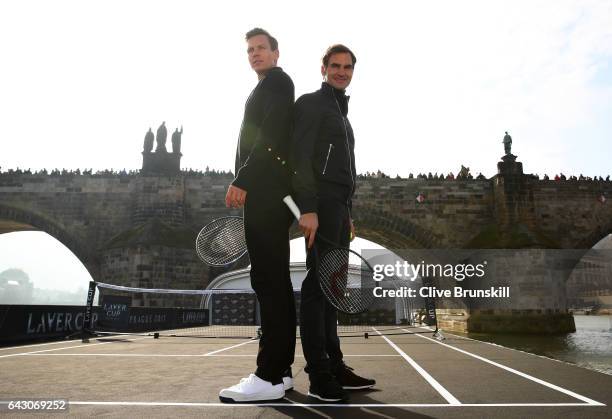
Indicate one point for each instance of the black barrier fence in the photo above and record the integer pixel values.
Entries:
(20, 323)
(24, 322)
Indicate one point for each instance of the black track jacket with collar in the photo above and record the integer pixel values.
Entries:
(322, 149)
(265, 135)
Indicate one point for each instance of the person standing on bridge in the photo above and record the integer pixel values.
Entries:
(323, 160)
(262, 180)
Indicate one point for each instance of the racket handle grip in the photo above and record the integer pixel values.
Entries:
(292, 206)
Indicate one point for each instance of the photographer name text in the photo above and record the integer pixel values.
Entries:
(433, 292)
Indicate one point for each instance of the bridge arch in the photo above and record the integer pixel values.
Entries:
(387, 230)
(597, 235)
(390, 230)
(13, 219)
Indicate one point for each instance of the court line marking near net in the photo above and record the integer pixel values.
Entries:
(68, 341)
(39, 344)
(230, 347)
(344, 405)
(521, 374)
(452, 400)
(60, 349)
(497, 345)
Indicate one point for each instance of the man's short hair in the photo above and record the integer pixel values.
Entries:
(258, 31)
(336, 49)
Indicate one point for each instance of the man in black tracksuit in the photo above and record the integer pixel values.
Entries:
(262, 180)
(323, 160)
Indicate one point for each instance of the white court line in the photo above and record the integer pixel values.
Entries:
(49, 343)
(521, 374)
(59, 349)
(344, 405)
(230, 347)
(126, 355)
(39, 344)
(432, 381)
(189, 355)
(497, 345)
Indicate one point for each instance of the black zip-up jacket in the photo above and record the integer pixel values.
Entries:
(265, 136)
(322, 149)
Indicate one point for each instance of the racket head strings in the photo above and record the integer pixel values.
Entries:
(221, 241)
(346, 279)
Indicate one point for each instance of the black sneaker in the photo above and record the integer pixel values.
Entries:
(327, 389)
(351, 381)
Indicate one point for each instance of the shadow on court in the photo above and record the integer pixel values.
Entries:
(357, 397)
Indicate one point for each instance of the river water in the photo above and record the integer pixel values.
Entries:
(590, 346)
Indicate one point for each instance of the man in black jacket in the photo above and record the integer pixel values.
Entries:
(323, 161)
(261, 182)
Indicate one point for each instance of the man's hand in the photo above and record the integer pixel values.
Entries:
(352, 230)
(235, 197)
(309, 223)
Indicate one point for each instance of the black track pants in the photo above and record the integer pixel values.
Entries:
(318, 318)
(267, 220)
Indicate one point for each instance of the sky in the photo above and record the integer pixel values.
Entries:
(435, 86)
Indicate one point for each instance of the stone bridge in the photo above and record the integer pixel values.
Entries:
(139, 229)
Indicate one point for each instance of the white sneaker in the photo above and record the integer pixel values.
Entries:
(287, 383)
(252, 389)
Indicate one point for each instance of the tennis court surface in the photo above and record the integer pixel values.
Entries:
(417, 376)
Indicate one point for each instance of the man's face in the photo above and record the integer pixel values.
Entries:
(261, 56)
(339, 70)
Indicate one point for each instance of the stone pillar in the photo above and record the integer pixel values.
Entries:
(512, 203)
(161, 163)
(538, 301)
(514, 212)
(158, 197)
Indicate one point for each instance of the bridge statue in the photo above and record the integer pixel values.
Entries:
(162, 162)
(148, 141)
(464, 173)
(162, 134)
(507, 143)
(176, 140)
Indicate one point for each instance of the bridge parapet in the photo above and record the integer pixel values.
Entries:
(114, 221)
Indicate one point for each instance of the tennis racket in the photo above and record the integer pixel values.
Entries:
(346, 279)
(221, 241)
